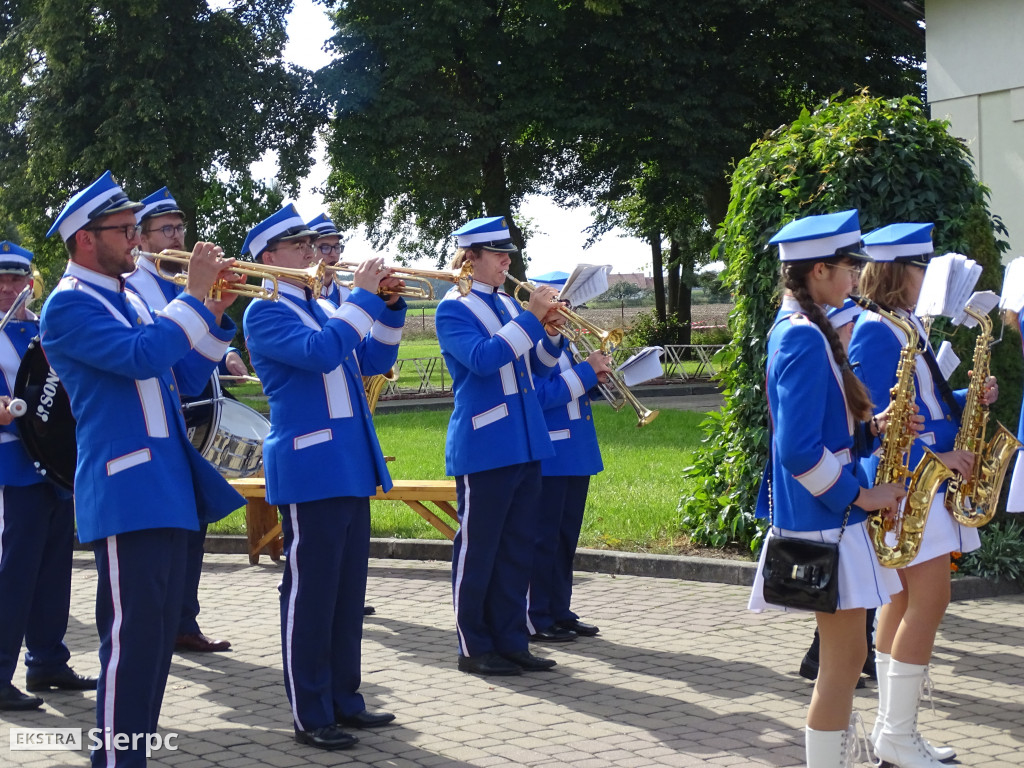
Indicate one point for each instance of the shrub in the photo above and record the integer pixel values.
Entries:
(881, 156)
(1001, 556)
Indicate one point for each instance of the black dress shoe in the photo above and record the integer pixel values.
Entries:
(328, 737)
(809, 668)
(12, 699)
(364, 719)
(369, 610)
(488, 664)
(197, 642)
(579, 627)
(528, 661)
(64, 679)
(553, 634)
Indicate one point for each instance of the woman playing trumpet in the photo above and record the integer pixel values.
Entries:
(496, 440)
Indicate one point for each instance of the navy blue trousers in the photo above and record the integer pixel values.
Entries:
(492, 557)
(138, 604)
(188, 625)
(327, 545)
(37, 529)
(557, 534)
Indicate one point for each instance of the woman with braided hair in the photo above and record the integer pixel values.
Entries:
(813, 487)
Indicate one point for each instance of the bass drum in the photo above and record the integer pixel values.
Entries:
(47, 429)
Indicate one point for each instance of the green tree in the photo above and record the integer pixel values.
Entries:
(159, 91)
(677, 91)
(881, 156)
(620, 291)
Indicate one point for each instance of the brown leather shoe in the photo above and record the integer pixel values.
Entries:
(197, 642)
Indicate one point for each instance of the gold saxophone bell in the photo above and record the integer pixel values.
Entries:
(463, 278)
(311, 277)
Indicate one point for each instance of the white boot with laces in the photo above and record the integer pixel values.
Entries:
(899, 742)
(882, 661)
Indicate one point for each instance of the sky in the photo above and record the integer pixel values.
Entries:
(558, 241)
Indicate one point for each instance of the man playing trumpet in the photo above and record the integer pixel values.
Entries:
(140, 485)
(311, 356)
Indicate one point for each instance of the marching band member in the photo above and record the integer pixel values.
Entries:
(907, 626)
(37, 527)
(140, 486)
(496, 441)
(565, 479)
(812, 482)
(842, 319)
(163, 227)
(311, 356)
(329, 248)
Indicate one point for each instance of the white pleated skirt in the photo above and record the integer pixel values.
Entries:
(943, 534)
(863, 583)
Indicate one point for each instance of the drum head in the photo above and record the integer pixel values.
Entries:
(48, 428)
(237, 448)
(202, 414)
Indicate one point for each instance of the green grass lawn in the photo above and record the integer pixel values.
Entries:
(631, 506)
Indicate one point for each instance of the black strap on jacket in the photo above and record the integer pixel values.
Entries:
(940, 381)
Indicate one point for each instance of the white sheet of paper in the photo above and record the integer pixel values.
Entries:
(1013, 286)
(643, 366)
(947, 359)
(587, 281)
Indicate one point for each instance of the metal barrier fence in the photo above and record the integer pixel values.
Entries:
(429, 376)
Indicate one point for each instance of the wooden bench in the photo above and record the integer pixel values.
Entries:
(264, 529)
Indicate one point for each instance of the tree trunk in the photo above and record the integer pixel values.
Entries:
(659, 281)
(681, 274)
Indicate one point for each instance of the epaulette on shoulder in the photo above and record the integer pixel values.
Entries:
(798, 318)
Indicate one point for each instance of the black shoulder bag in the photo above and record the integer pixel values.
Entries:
(800, 573)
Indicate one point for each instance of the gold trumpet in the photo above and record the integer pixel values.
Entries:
(463, 278)
(312, 277)
(608, 340)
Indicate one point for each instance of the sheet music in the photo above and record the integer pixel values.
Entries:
(643, 366)
(948, 282)
(587, 281)
(981, 302)
(947, 359)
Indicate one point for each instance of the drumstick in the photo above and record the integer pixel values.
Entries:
(17, 407)
(239, 379)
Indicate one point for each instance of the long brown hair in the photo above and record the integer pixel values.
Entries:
(886, 283)
(794, 278)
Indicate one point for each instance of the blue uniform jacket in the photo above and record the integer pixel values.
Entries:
(875, 350)
(16, 466)
(335, 293)
(136, 467)
(570, 421)
(153, 289)
(490, 348)
(311, 357)
(814, 477)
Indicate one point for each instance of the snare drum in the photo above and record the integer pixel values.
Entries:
(236, 446)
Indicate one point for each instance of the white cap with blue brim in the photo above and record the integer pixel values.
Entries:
(910, 243)
(159, 203)
(490, 233)
(101, 198)
(14, 260)
(286, 224)
(821, 236)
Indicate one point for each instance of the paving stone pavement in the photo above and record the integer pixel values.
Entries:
(681, 675)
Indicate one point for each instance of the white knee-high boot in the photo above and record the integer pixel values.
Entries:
(882, 666)
(899, 742)
(827, 749)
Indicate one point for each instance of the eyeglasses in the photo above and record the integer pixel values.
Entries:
(326, 249)
(169, 230)
(130, 231)
(298, 246)
(856, 269)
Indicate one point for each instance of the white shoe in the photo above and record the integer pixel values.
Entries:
(827, 749)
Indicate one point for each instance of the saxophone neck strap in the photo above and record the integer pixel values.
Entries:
(940, 381)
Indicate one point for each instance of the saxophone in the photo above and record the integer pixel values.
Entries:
(909, 520)
(973, 502)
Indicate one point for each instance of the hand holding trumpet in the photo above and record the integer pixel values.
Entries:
(371, 275)
(601, 363)
(206, 268)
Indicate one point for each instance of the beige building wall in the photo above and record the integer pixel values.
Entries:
(975, 55)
